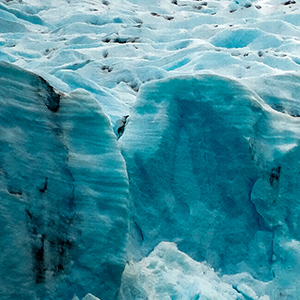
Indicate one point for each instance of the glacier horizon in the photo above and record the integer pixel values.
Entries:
(149, 150)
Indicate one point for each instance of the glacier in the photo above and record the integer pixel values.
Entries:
(149, 150)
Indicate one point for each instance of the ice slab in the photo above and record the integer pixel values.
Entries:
(213, 168)
(64, 193)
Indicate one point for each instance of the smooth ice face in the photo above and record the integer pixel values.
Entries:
(64, 191)
(210, 168)
(190, 163)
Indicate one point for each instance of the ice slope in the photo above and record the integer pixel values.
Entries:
(63, 190)
(211, 148)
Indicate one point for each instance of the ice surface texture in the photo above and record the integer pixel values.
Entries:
(212, 149)
(64, 191)
(111, 48)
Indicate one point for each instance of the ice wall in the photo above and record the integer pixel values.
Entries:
(214, 168)
(63, 190)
